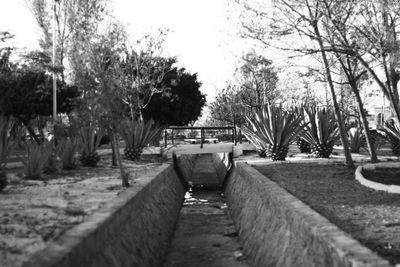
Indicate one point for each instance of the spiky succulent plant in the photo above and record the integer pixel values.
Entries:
(138, 134)
(321, 132)
(274, 128)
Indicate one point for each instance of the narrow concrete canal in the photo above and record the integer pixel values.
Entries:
(205, 234)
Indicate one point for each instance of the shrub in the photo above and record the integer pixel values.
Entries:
(137, 134)
(272, 129)
(224, 137)
(321, 132)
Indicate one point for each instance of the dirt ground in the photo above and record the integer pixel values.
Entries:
(33, 212)
(372, 217)
(383, 176)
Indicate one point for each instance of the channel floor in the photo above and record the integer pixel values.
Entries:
(205, 234)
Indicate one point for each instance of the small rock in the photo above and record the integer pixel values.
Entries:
(75, 210)
(238, 254)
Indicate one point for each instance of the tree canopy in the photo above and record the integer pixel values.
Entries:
(181, 103)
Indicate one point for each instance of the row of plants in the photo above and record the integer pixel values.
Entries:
(70, 147)
(314, 130)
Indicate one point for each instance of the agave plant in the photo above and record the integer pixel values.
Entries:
(35, 158)
(274, 129)
(321, 132)
(378, 138)
(67, 148)
(6, 124)
(356, 139)
(137, 134)
(392, 132)
(260, 147)
(88, 143)
(303, 145)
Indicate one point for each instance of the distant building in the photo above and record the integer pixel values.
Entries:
(379, 111)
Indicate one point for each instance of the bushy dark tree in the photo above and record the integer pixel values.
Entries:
(27, 94)
(181, 103)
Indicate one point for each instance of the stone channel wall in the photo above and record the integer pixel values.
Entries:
(133, 230)
(277, 229)
(221, 164)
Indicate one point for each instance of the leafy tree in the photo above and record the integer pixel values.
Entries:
(228, 108)
(181, 103)
(75, 19)
(143, 72)
(27, 95)
(256, 86)
(26, 90)
(257, 79)
(103, 72)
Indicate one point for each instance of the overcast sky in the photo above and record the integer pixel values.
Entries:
(201, 36)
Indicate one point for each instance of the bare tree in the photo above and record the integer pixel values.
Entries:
(301, 19)
(337, 17)
(144, 70)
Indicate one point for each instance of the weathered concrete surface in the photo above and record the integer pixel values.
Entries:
(221, 162)
(204, 173)
(184, 164)
(395, 189)
(277, 229)
(207, 148)
(205, 235)
(133, 230)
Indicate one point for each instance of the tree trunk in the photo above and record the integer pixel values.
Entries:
(113, 150)
(343, 134)
(364, 121)
(33, 134)
(124, 175)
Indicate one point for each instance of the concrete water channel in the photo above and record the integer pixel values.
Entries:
(161, 222)
(205, 234)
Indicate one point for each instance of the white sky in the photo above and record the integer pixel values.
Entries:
(200, 35)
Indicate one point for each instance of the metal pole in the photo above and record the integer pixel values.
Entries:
(54, 64)
(202, 137)
(165, 138)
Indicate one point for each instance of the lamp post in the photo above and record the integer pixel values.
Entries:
(54, 65)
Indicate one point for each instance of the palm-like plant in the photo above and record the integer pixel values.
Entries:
(137, 134)
(392, 132)
(321, 132)
(274, 129)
